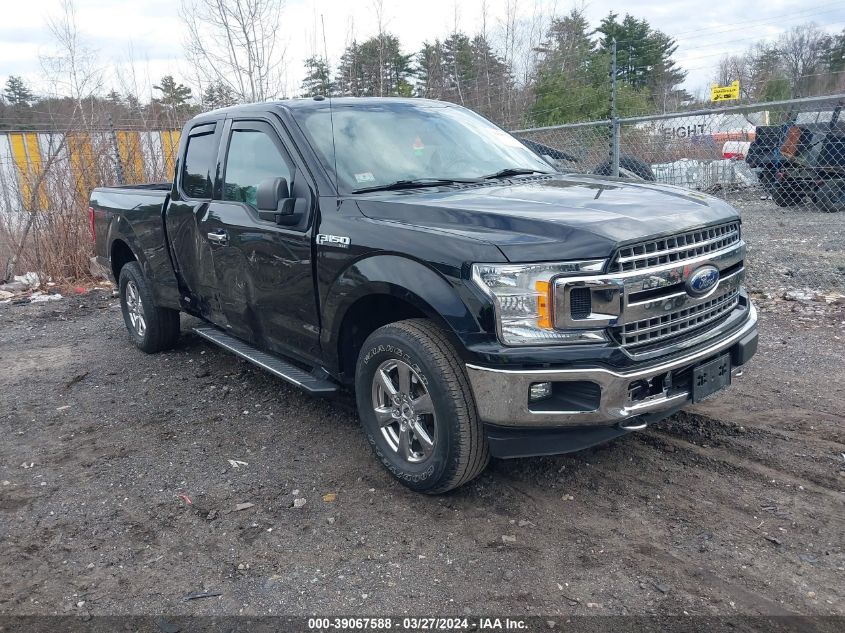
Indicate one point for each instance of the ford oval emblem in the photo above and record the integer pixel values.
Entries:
(702, 281)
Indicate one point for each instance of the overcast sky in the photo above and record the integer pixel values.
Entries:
(150, 32)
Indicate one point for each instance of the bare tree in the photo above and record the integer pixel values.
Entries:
(237, 43)
(50, 230)
(519, 39)
(16, 228)
(803, 49)
(72, 66)
(798, 63)
(378, 9)
(735, 68)
(134, 80)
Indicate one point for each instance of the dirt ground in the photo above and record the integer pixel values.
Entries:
(118, 496)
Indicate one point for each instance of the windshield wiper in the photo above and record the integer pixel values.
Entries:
(416, 183)
(513, 171)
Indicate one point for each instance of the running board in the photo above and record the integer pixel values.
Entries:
(275, 365)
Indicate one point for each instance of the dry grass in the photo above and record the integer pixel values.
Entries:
(50, 235)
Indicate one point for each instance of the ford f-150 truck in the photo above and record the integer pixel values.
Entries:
(478, 302)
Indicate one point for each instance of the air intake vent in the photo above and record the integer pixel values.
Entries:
(580, 303)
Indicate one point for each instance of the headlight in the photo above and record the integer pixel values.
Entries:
(523, 299)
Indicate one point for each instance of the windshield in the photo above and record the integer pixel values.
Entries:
(380, 144)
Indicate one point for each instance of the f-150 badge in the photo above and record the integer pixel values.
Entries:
(333, 240)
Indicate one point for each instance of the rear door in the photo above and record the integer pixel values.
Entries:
(264, 271)
(189, 204)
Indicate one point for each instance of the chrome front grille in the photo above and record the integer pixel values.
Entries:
(666, 326)
(675, 248)
(643, 302)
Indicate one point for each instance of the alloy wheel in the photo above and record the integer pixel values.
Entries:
(135, 308)
(404, 411)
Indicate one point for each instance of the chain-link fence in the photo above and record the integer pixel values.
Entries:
(781, 164)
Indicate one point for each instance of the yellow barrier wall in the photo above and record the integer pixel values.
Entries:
(85, 160)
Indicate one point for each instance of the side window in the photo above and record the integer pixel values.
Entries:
(252, 157)
(200, 157)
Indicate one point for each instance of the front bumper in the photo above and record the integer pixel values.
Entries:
(597, 396)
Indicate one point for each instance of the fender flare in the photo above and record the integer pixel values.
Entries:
(404, 278)
(121, 229)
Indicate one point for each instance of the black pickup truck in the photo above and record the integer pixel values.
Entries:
(477, 301)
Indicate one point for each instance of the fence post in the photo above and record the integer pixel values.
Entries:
(614, 119)
(118, 166)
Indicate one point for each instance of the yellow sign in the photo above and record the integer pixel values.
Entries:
(725, 93)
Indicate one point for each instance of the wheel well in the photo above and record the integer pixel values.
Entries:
(121, 255)
(364, 317)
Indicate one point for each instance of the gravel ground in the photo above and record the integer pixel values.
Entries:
(118, 496)
(791, 247)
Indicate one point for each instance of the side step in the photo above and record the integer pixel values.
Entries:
(273, 364)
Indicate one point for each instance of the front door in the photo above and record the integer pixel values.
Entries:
(264, 271)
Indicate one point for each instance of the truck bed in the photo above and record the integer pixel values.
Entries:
(129, 218)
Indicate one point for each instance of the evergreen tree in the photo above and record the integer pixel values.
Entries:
(374, 68)
(776, 89)
(572, 77)
(569, 47)
(458, 66)
(766, 76)
(318, 80)
(218, 95)
(464, 70)
(348, 79)
(133, 104)
(492, 81)
(114, 99)
(643, 55)
(430, 72)
(17, 93)
(836, 54)
(173, 95)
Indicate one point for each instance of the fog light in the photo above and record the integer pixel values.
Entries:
(539, 391)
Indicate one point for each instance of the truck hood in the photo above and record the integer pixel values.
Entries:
(547, 219)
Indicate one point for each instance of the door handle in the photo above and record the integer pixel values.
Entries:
(218, 237)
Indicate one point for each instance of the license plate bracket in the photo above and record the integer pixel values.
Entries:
(708, 378)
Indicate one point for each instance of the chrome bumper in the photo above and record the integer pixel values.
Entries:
(501, 395)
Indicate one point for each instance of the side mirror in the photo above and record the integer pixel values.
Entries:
(272, 197)
(271, 194)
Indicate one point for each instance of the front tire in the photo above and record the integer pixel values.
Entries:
(417, 408)
(785, 194)
(151, 328)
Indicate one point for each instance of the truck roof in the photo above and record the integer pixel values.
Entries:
(312, 103)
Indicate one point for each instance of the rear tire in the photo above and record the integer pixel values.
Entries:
(830, 197)
(151, 328)
(417, 408)
(786, 195)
